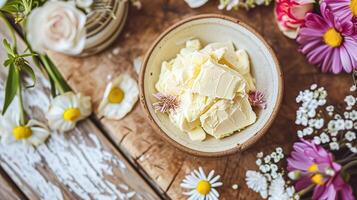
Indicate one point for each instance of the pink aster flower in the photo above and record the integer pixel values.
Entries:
(165, 103)
(346, 10)
(316, 167)
(257, 99)
(290, 15)
(328, 42)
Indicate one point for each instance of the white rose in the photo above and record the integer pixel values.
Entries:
(57, 26)
(85, 4)
(196, 3)
(2, 3)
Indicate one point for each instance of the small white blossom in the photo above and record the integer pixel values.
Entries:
(300, 134)
(353, 88)
(319, 123)
(350, 136)
(350, 100)
(260, 155)
(353, 115)
(348, 124)
(258, 162)
(324, 138)
(267, 159)
(279, 150)
(334, 146)
(330, 108)
(274, 167)
(313, 86)
(317, 140)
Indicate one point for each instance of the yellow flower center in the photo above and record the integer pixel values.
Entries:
(116, 95)
(313, 168)
(353, 7)
(318, 179)
(333, 38)
(21, 132)
(71, 114)
(203, 187)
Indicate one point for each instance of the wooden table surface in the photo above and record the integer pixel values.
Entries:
(158, 165)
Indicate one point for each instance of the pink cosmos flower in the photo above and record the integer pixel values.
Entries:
(328, 42)
(346, 10)
(290, 15)
(316, 167)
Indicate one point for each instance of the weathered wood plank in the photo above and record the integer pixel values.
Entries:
(164, 164)
(81, 164)
(8, 190)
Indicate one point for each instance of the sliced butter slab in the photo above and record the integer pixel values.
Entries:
(197, 134)
(226, 117)
(194, 105)
(218, 81)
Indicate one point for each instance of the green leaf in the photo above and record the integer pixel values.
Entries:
(53, 87)
(30, 72)
(12, 86)
(7, 47)
(8, 62)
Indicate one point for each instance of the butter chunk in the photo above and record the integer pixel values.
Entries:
(194, 105)
(168, 82)
(229, 57)
(226, 117)
(198, 134)
(178, 118)
(218, 81)
(193, 44)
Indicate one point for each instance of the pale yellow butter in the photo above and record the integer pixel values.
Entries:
(178, 118)
(194, 105)
(218, 81)
(197, 134)
(225, 117)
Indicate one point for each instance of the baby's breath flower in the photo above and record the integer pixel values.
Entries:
(350, 136)
(324, 138)
(317, 140)
(334, 146)
(350, 100)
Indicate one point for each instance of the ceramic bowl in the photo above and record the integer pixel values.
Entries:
(213, 28)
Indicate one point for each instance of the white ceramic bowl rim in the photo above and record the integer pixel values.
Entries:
(252, 139)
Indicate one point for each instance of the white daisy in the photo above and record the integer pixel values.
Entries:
(119, 97)
(257, 182)
(34, 132)
(201, 187)
(67, 109)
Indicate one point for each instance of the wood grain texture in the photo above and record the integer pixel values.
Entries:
(80, 164)
(164, 164)
(8, 190)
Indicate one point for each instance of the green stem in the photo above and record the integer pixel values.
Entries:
(21, 103)
(306, 190)
(51, 73)
(12, 31)
(349, 165)
(347, 159)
